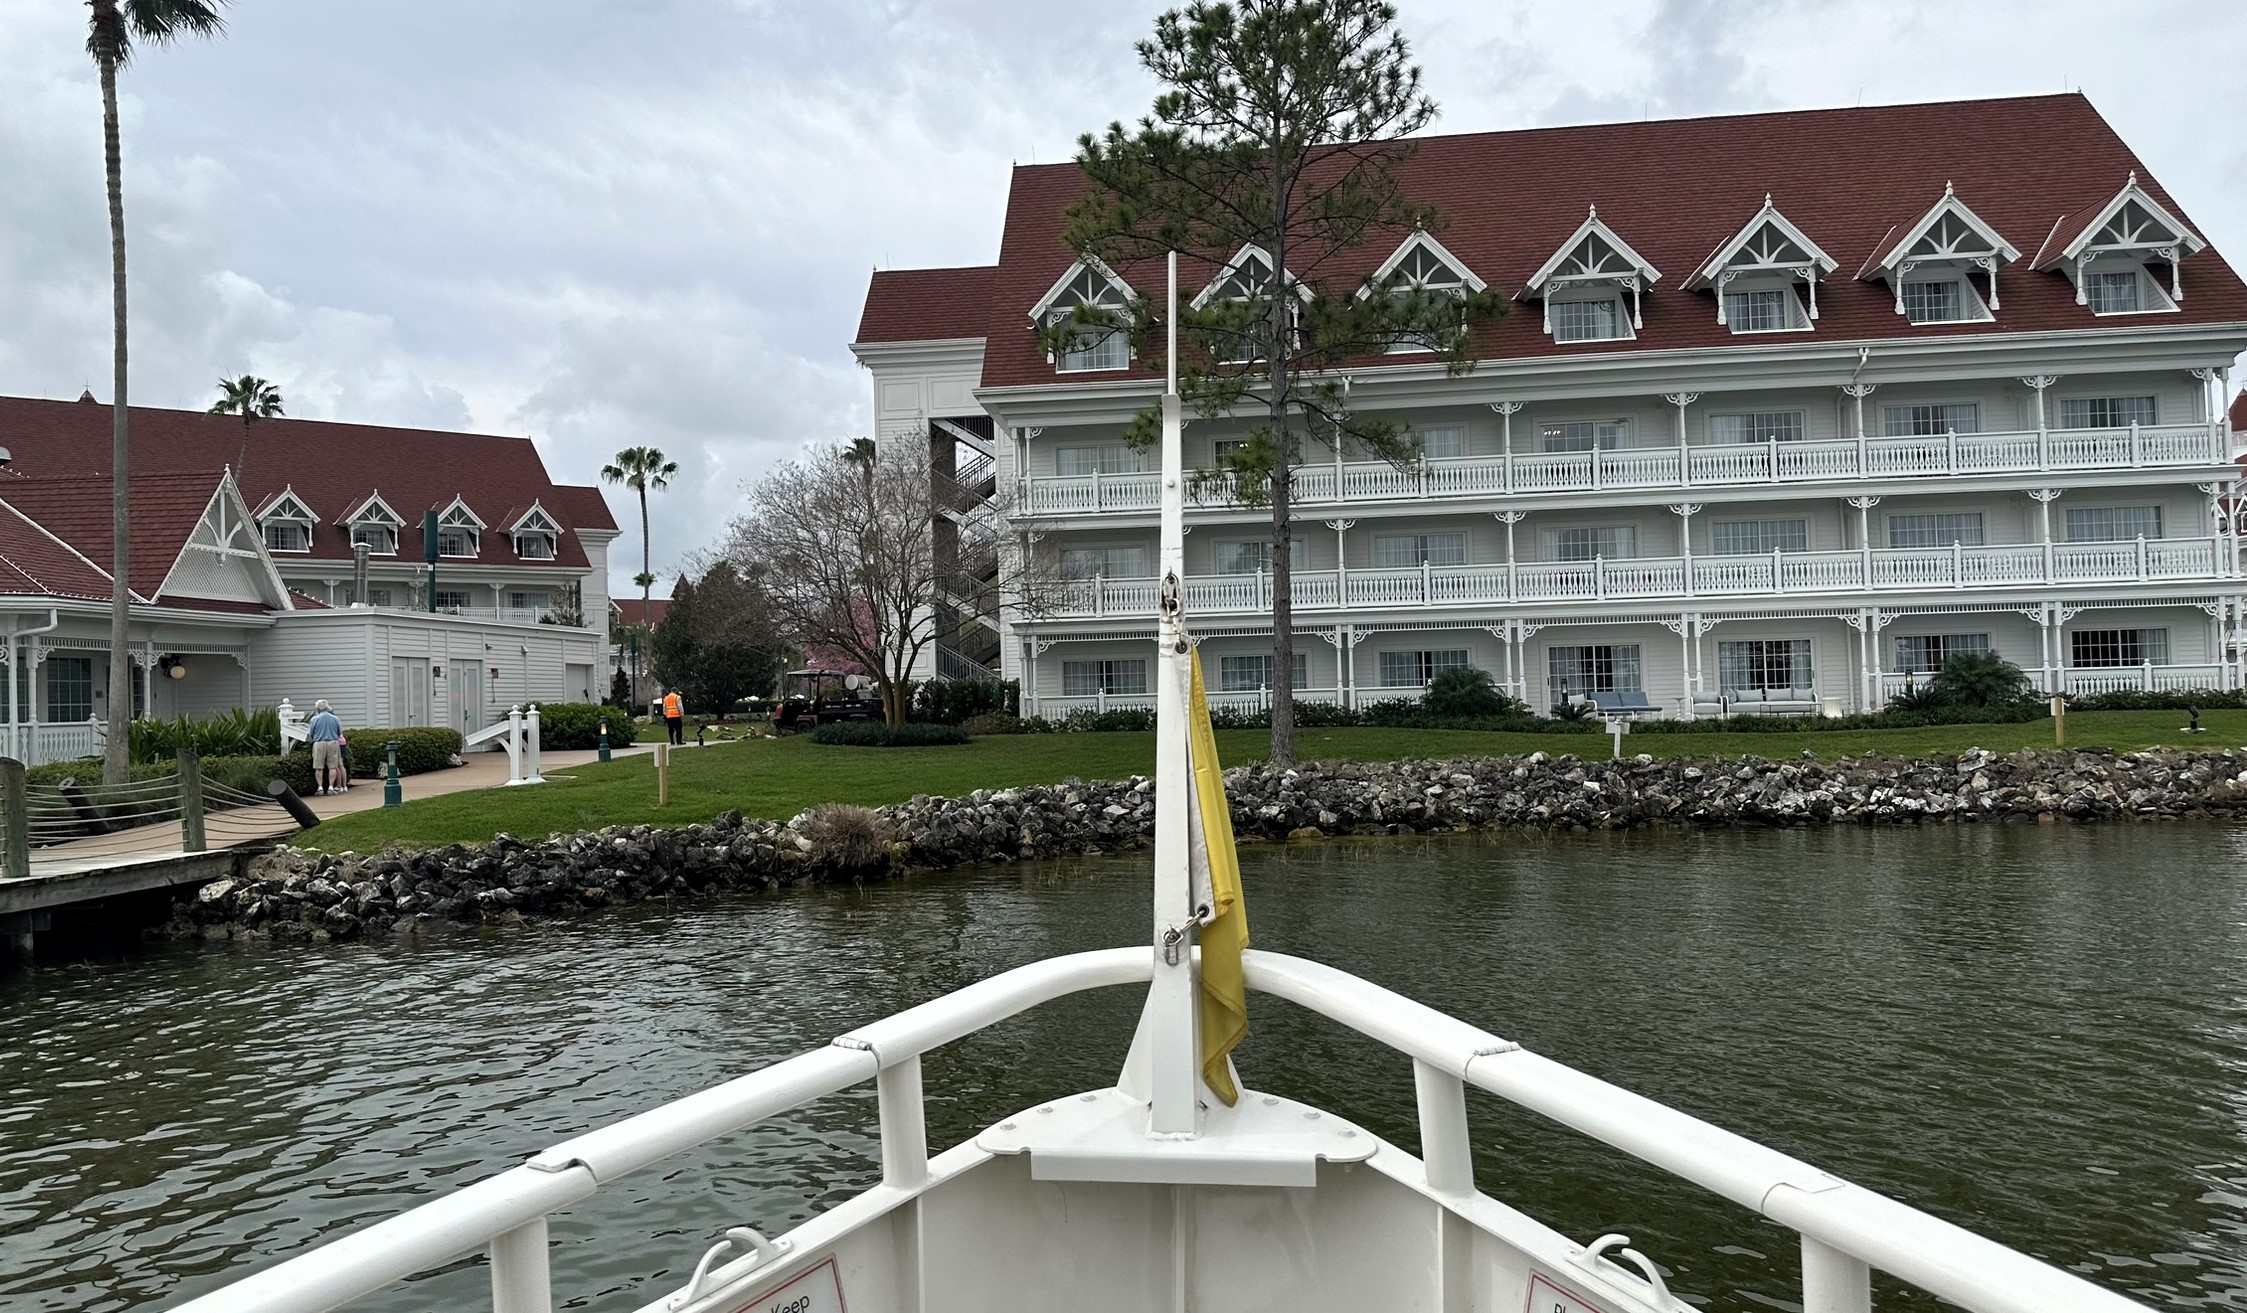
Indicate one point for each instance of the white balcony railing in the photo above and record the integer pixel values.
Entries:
(506, 615)
(1054, 708)
(1880, 569)
(2077, 681)
(1702, 466)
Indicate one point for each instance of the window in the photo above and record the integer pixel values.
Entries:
(1091, 346)
(1601, 668)
(2106, 412)
(2113, 524)
(1419, 669)
(2112, 294)
(1961, 527)
(1919, 653)
(1108, 458)
(378, 597)
(2118, 647)
(1400, 551)
(1764, 310)
(1252, 674)
(70, 688)
(456, 541)
(1127, 561)
(288, 536)
(1763, 665)
(1584, 435)
(1095, 348)
(1610, 542)
(1246, 280)
(1224, 447)
(535, 546)
(1748, 537)
(1932, 421)
(1597, 320)
(530, 601)
(1445, 443)
(1942, 301)
(1757, 426)
(1084, 679)
(1255, 556)
(381, 539)
(449, 600)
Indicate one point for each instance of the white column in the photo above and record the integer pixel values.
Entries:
(2038, 383)
(1681, 400)
(1684, 511)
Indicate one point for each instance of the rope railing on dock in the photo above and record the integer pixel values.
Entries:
(69, 821)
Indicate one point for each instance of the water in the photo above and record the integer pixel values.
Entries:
(2040, 1033)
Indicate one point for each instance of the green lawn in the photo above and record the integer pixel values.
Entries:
(779, 778)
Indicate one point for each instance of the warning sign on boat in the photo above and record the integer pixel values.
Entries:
(818, 1291)
(1545, 1297)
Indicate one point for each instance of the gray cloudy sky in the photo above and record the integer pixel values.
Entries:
(610, 222)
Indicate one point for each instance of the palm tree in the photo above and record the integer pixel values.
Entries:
(114, 26)
(641, 468)
(253, 399)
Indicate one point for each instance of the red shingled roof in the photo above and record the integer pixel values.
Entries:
(34, 561)
(628, 610)
(331, 467)
(580, 507)
(166, 508)
(2239, 413)
(921, 305)
(1675, 190)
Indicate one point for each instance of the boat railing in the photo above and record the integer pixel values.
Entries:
(1846, 1230)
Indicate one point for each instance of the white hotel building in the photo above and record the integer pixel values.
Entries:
(1789, 407)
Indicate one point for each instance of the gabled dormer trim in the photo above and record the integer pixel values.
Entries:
(1751, 252)
(535, 520)
(1209, 293)
(460, 515)
(286, 505)
(1060, 286)
(375, 509)
(2158, 234)
(1944, 244)
(1618, 266)
(1422, 240)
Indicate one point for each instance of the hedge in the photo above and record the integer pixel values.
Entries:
(420, 748)
(576, 726)
(875, 734)
(952, 701)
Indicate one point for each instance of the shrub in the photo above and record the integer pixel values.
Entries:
(1567, 710)
(955, 701)
(420, 748)
(1115, 719)
(1467, 691)
(875, 734)
(1322, 715)
(2132, 699)
(251, 774)
(229, 733)
(87, 770)
(993, 722)
(845, 837)
(576, 726)
(1981, 679)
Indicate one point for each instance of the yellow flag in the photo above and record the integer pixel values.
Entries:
(1224, 993)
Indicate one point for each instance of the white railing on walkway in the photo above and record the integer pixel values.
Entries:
(1863, 570)
(1846, 1230)
(2151, 446)
(38, 744)
(1054, 708)
(517, 736)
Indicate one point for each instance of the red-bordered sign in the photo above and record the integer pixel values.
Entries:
(1545, 1297)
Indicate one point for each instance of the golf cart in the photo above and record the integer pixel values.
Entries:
(811, 698)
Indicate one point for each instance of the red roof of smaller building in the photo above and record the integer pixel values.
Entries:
(2239, 413)
(166, 509)
(922, 305)
(629, 611)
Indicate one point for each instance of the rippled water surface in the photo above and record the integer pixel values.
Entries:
(2038, 1032)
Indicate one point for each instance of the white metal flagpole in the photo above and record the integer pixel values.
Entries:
(1175, 1052)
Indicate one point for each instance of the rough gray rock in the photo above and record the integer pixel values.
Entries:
(292, 893)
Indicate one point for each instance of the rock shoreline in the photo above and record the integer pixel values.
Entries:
(293, 894)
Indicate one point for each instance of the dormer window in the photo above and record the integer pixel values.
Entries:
(1585, 281)
(374, 524)
(1421, 265)
(1766, 276)
(287, 523)
(535, 534)
(1931, 264)
(2111, 250)
(1243, 281)
(535, 546)
(1090, 346)
(458, 532)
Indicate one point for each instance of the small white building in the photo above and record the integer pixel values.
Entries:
(1789, 408)
(243, 553)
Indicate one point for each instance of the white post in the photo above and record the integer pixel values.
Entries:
(514, 743)
(530, 750)
(1172, 1005)
(1685, 659)
(904, 1125)
(1445, 1149)
(1832, 1281)
(520, 1281)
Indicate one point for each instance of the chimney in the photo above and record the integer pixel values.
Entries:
(358, 574)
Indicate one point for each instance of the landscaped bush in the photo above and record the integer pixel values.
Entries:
(227, 734)
(1469, 692)
(1115, 719)
(2131, 699)
(992, 722)
(875, 734)
(87, 770)
(420, 748)
(1980, 679)
(252, 774)
(954, 701)
(576, 726)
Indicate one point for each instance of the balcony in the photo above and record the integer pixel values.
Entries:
(1874, 570)
(1703, 466)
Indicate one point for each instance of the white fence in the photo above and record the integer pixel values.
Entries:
(1864, 570)
(1054, 708)
(1696, 466)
